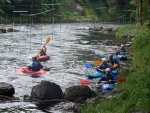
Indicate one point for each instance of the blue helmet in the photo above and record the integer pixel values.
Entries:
(110, 55)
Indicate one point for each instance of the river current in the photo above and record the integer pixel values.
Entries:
(69, 51)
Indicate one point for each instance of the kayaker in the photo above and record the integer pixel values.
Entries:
(121, 51)
(107, 78)
(103, 66)
(114, 62)
(36, 65)
(42, 52)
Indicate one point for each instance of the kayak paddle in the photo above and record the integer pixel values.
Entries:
(47, 40)
(87, 82)
(96, 62)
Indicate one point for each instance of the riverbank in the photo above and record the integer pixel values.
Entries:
(134, 93)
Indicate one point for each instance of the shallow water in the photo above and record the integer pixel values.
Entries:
(68, 57)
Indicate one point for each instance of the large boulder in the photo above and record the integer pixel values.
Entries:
(46, 91)
(78, 93)
(6, 89)
(3, 30)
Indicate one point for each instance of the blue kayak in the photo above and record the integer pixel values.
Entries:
(95, 75)
(100, 74)
(114, 73)
(122, 57)
(108, 86)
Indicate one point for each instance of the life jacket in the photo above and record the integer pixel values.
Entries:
(44, 49)
(122, 52)
(104, 66)
(107, 78)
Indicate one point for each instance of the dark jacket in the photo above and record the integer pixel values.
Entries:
(36, 66)
(107, 78)
(42, 53)
(104, 66)
(121, 52)
(114, 61)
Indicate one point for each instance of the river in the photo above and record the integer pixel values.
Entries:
(69, 50)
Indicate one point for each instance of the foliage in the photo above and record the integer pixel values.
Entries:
(97, 10)
(124, 30)
(135, 96)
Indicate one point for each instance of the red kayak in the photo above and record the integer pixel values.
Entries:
(25, 70)
(44, 58)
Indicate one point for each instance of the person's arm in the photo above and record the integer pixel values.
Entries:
(39, 54)
(117, 52)
(101, 79)
(44, 49)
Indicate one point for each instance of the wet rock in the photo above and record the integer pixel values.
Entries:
(65, 107)
(3, 30)
(109, 29)
(46, 91)
(10, 30)
(78, 93)
(6, 89)
(125, 36)
(84, 42)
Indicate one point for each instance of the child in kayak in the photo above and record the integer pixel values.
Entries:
(36, 65)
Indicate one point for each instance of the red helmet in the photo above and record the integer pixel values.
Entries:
(41, 49)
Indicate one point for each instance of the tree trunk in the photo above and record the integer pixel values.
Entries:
(148, 5)
(139, 20)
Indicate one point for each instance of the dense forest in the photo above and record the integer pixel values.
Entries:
(70, 10)
(74, 10)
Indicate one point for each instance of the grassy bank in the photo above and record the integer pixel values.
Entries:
(135, 92)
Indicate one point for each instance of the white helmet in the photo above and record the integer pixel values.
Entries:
(122, 45)
(104, 59)
(107, 69)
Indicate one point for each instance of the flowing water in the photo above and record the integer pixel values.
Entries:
(69, 50)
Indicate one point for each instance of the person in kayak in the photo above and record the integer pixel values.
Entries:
(36, 65)
(42, 52)
(103, 66)
(121, 51)
(114, 62)
(107, 78)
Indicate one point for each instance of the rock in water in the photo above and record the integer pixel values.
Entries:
(46, 91)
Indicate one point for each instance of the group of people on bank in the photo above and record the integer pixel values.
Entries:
(111, 64)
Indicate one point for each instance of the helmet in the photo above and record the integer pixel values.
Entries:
(34, 58)
(110, 55)
(41, 49)
(104, 59)
(107, 69)
(122, 45)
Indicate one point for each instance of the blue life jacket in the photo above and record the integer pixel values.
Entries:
(104, 66)
(114, 61)
(36, 66)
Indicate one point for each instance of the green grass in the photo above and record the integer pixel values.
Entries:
(135, 92)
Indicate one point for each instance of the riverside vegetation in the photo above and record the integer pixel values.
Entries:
(135, 92)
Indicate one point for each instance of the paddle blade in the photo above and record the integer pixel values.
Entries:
(121, 80)
(97, 62)
(111, 50)
(47, 40)
(88, 66)
(85, 83)
(18, 70)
